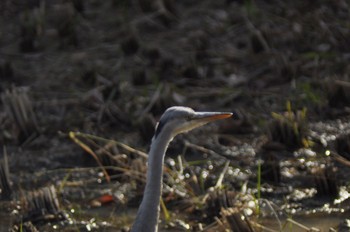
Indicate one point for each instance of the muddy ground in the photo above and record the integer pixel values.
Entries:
(110, 68)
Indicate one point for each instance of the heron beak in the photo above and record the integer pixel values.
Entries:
(200, 119)
(211, 116)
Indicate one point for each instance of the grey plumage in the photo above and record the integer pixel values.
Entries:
(175, 120)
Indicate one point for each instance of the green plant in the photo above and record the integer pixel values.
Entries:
(289, 129)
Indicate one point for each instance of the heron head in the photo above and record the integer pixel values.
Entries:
(179, 119)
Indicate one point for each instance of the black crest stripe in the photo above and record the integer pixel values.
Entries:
(159, 128)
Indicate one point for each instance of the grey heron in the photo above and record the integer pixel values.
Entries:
(175, 120)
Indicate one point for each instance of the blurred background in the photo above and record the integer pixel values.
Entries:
(83, 83)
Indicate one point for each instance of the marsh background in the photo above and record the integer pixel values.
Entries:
(110, 68)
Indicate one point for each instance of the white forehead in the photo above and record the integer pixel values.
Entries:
(177, 112)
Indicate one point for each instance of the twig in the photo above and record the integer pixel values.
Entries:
(268, 203)
(213, 224)
(340, 159)
(301, 225)
(263, 227)
(124, 146)
(153, 100)
(222, 175)
(258, 34)
(72, 135)
(202, 149)
(131, 173)
(165, 210)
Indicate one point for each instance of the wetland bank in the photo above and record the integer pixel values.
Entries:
(82, 84)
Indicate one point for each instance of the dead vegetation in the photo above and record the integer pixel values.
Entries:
(110, 68)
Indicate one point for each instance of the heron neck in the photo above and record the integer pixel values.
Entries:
(148, 213)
